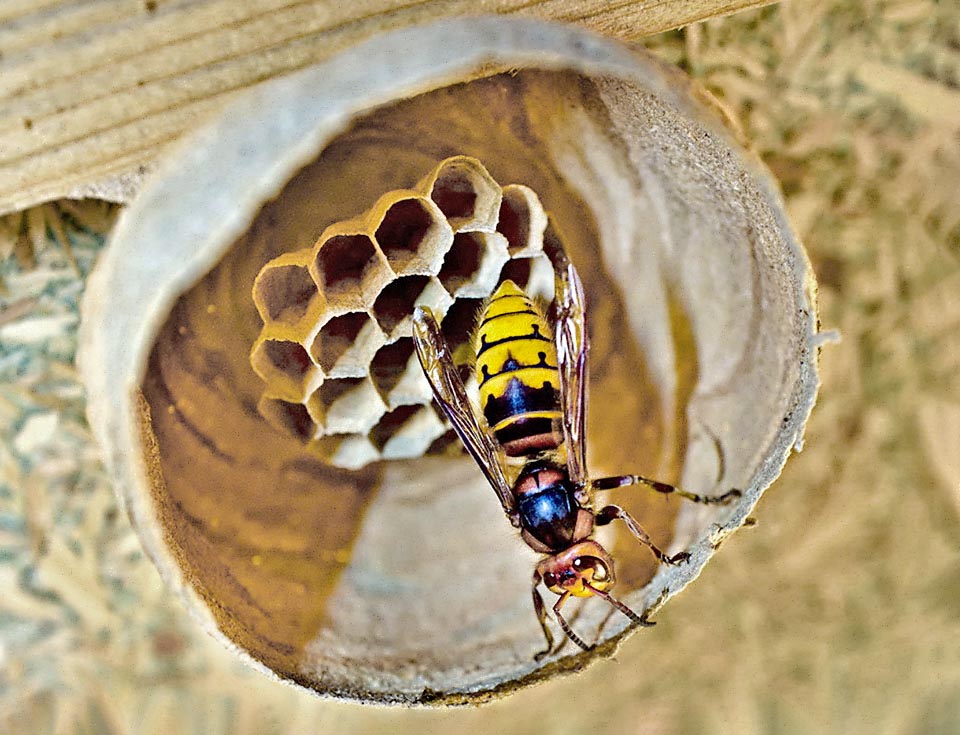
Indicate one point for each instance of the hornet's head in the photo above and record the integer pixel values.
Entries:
(582, 570)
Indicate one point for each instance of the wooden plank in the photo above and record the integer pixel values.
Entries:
(92, 91)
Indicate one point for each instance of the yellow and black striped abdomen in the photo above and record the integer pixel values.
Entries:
(517, 372)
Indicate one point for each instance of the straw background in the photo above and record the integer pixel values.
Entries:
(838, 613)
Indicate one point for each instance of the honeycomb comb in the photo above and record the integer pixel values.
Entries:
(336, 349)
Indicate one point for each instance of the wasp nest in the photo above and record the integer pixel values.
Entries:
(402, 581)
(336, 350)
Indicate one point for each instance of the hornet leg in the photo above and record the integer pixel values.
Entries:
(613, 512)
(565, 625)
(638, 619)
(541, 617)
(609, 483)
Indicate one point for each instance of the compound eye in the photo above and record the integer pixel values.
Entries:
(550, 579)
(600, 570)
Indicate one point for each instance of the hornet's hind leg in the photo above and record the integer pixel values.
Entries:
(614, 512)
(610, 483)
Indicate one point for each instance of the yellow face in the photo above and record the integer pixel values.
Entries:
(581, 570)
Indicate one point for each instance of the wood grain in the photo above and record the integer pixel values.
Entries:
(91, 93)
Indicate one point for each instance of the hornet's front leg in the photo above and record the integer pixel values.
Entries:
(540, 608)
(541, 611)
(565, 625)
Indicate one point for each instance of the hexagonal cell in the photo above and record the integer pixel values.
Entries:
(466, 193)
(283, 290)
(347, 406)
(522, 220)
(285, 366)
(412, 232)
(390, 424)
(397, 375)
(473, 263)
(395, 303)
(462, 261)
(533, 274)
(447, 443)
(393, 308)
(287, 416)
(349, 269)
(344, 345)
(516, 270)
(389, 364)
(349, 451)
(407, 431)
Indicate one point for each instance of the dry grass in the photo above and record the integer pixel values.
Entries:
(840, 613)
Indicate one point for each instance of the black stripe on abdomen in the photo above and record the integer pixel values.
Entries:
(519, 399)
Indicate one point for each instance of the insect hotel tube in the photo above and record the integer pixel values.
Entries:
(287, 531)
